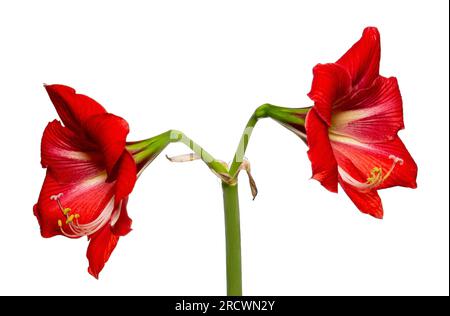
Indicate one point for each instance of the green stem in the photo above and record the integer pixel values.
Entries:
(146, 150)
(260, 112)
(287, 117)
(214, 164)
(233, 239)
(291, 118)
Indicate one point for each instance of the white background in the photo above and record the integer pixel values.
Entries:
(203, 67)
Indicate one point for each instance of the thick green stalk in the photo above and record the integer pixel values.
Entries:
(231, 208)
(145, 151)
(233, 239)
(285, 116)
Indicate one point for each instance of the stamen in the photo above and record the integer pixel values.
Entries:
(70, 219)
(375, 179)
(396, 160)
(56, 197)
(77, 229)
(68, 234)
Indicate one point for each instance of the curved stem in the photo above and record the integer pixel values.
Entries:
(292, 118)
(147, 150)
(231, 209)
(214, 164)
(238, 159)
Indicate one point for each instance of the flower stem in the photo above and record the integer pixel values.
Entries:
(231, 208)
(214, 164)
(260, 112)
(296, 117)
(292, 118)
(146, 150)
(233, 239)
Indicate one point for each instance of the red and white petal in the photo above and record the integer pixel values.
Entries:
(362, 60)
(330, 83)
(320, 153)
(92, 199)
(125, 175)
(398, 167)
(371, 115)
(69, 157)
(367, 202)
(121, 225)
(109, 132)
(101, 245)
(72, 108)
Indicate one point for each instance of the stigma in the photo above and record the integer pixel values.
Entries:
(376, 176)
(70, 226)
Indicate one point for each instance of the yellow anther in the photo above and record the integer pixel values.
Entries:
(70, 219)
(66, 211)
(375, 178)
(77, 216)
(375, 175)
(59, 223)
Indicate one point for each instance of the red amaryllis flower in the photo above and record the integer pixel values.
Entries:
(89, 175)
(352, 128)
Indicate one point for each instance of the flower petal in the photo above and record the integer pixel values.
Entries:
(330, 83)
(68, 156)
(362, 60)
(125, 176)
(123, 225)
(365, 157)
(72, 108)
(89, 198)
(109, 132)
(101, 246)
(368, 202)
(371, 115)
(320, 153)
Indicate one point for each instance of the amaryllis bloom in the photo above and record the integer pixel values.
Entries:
(352, 128)
(89, 175)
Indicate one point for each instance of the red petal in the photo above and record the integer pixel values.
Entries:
(126, 176)
(88, 198)
(371, 115)
(69, 157)
(368, 203)
(123, 225)
(404, 175)
(109, 132)
(100, 248)
(320, 152)
(364, 157)
(330, 83)
(363, 60)
(72, 108)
